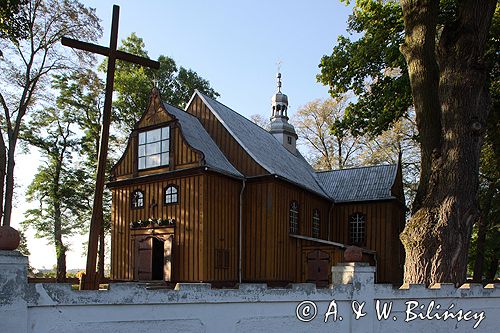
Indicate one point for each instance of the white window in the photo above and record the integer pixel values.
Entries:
(137, 199)
(315, 223)
(153, 148)
(357, 229)
(294, 217)
(171, 194)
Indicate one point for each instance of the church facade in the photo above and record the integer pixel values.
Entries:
(204, 194)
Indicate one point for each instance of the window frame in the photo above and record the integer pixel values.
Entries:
(176, 188)
(132, 197)
(316, 223)
(161, 151)
(293, 218)
(361, 223)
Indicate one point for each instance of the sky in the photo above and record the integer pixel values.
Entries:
(236, 45)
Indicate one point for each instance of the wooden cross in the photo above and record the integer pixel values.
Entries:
(96, 224)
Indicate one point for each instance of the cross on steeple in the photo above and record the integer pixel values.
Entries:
(96, 224)
(278, 75)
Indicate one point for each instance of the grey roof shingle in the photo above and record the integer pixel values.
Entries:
(199, 139)
(359, 184)
(265, 149)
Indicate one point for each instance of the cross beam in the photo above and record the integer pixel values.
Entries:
(96, 224)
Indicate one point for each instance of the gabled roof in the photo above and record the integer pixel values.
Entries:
(264, 148)
(199, 139)
(360, 184)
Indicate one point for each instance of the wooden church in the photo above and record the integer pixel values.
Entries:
(205, 195)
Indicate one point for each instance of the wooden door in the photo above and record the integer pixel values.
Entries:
(318, 268)
(143, 258)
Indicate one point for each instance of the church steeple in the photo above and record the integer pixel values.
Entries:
(283, 131)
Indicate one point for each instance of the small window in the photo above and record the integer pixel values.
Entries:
(289, 138)
(221, 258)
(171, 194)
(357, 229)
(294, 217)
(315, 223)
(137, 199)
(153, 148)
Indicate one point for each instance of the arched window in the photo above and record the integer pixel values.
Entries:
(137, 199)
(171, 195)
(357, 229)
(315, 223)
(294, 217)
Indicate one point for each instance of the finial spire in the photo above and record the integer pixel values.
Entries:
(278, 76)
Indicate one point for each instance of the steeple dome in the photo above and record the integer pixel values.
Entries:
(279, 101)
(283, 131)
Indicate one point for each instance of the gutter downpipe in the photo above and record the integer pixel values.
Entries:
(330, 220)
(241, 231)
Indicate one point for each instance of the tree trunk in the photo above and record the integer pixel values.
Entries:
(451, 103)
(492, 270)
(61, 262)
(481, 234)
(3, 166)
(100, 263)
(56, 197)
(9, 181)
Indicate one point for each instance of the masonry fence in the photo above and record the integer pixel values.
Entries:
(353, 304)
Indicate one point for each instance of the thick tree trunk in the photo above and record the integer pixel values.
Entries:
(451, 104)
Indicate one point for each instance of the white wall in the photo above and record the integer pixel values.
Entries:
(129, 307)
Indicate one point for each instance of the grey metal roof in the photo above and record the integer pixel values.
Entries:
(199, 139)
(265, 149)
(359, 184)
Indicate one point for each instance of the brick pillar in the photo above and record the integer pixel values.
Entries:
(13, 288)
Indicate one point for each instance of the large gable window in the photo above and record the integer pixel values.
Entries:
(357, 229)
(294, 217)
(315, 223)
(153, 148)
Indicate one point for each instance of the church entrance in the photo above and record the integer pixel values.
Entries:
(153, 256)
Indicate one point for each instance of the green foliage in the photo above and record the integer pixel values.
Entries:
(134, 83)
(13, 20)
(81, 94)
(57, 185)
(371, 66)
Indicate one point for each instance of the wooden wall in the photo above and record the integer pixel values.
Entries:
(269, 254)
(182, 156)
(383, 224)
(188, 214)
(238, 157)
(221, 226)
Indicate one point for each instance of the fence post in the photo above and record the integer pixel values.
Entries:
(13, 288)
(362, 278)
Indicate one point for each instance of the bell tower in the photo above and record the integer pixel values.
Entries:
(281, 129)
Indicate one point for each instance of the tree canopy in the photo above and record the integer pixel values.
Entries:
(134, 83)
(437, 58)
